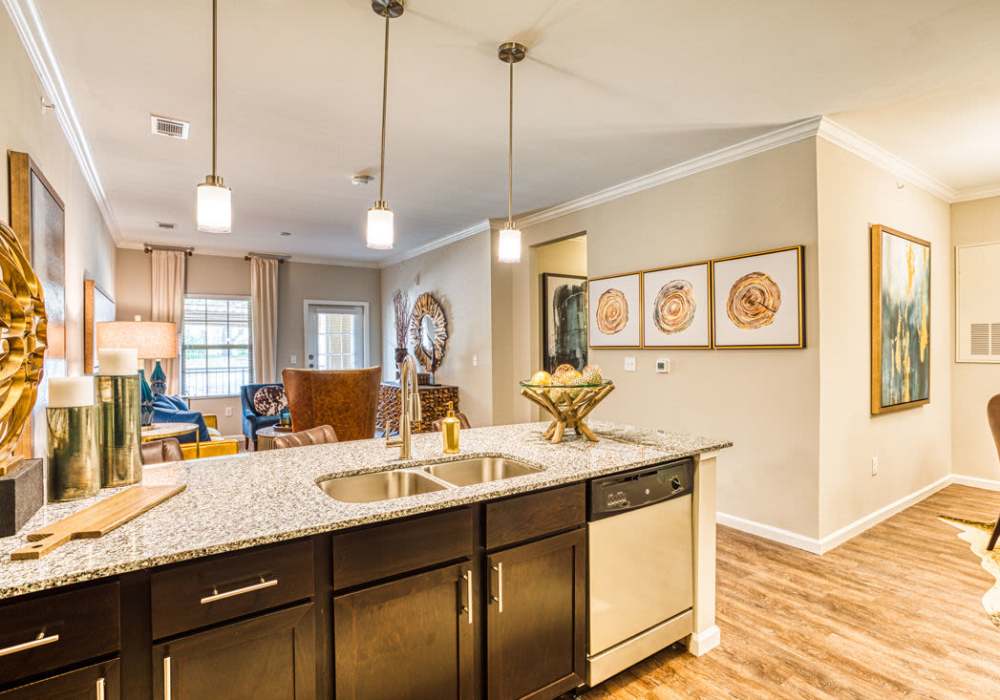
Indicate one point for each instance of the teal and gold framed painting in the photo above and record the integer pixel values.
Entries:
(900, 321)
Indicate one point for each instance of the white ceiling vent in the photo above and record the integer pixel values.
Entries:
(165, 126)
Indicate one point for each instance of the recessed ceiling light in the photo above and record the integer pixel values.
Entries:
(358, 180)
(285, 233)
(165, 224)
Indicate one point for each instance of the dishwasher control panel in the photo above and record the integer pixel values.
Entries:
(642, 487)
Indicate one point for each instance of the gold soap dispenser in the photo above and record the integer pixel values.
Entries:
(450, 427)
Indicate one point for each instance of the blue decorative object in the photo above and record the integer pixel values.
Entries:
(285, 418)
(146, 399)
(158, 380)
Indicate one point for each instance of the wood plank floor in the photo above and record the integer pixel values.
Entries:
(894, 613)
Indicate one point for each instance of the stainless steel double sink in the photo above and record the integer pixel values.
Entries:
(428, 478)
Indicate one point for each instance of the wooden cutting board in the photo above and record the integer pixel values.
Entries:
(96, 520)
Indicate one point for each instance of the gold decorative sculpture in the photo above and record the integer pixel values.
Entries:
(568, 406)
(428, 331)
(23, 328)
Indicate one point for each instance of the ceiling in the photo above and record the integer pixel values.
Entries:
(610, 91)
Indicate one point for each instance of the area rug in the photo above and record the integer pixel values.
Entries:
(977, 534)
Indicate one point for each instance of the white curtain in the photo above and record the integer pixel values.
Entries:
(264, 317)
(169, 282)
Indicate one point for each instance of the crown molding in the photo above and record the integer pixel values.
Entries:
(28, 24)
(876, 155)
(221, 253)
(479, 227)
(977, 193)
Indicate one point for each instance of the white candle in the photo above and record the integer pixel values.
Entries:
(118, 362)
(67, 392)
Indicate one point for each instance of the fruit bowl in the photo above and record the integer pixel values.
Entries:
(568, 403)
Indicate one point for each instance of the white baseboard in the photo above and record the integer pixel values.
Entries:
(700, 643)
(769, 532)
(976, 482)
(835, 539)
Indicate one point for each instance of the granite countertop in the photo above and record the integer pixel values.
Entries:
(237, 502)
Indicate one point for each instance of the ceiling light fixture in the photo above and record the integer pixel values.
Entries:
(215, 205)
(509, 245)
(380, 232)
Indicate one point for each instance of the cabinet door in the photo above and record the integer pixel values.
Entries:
(271, 656)
(97, 682)
(409, 639)
(536, 616)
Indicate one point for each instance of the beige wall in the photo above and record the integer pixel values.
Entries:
(459, 276)
(766, 401)
(913, 446)
(973, 451)
(210, 274)
(89, 247)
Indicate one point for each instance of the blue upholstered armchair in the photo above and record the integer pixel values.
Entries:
(253, 419)
(173, 409)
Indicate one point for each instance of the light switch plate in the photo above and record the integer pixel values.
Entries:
(663, 365)
(229, 411)
(293, 360)
(630, 363)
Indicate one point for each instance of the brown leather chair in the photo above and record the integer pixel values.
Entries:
(993, 415)
(159, 451)
(345, 399)
(320, 435)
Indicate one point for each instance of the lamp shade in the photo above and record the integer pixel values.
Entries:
(509, 246)
(154, 340)
(380, 228)
(215, 208)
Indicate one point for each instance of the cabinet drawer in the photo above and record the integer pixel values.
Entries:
(525, 517)
(98, 682)
(51, 631)
(395, 548)
(189, 596)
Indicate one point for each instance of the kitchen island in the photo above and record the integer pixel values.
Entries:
(254, 561)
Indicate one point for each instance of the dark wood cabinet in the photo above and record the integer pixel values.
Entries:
(535, 627)
(97, 682)
(269, 656)
(409, 639)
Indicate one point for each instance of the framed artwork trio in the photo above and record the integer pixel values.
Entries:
(748, 301)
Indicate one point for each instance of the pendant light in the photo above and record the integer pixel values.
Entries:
(215, 206)
(509, 245)
(380, 231)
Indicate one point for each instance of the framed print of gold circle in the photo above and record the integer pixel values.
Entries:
(754, 299)
(612, 311)
(674, 307)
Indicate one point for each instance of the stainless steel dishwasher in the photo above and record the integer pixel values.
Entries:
(641, 569)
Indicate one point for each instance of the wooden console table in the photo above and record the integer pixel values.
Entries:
(433, 404)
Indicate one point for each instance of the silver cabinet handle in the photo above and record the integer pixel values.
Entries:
(39, 641)
(467, 576)
(239, 591)
(499, 596)
(100, 689)
(167, 690)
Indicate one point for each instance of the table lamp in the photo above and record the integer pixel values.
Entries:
(153, 340)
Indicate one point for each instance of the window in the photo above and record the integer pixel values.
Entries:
(215, 356)
(335, 334)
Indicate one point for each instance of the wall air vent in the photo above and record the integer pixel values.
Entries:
(168, 225)
(165, 126)
(979, 340)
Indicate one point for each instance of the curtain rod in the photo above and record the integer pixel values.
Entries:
(279, 258)
(148, 248)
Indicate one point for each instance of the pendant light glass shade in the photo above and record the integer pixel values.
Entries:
(380, 229)
(509, 245)
(215, 207)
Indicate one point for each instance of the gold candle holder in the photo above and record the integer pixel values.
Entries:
(73, 452)
(121, 426)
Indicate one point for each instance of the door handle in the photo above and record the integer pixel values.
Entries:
(39, 641)
(239, 591)
(99, 691)
(167, 691)
(467, 607)
(498, 598)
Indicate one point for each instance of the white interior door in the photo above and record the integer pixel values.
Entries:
(336, 334)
